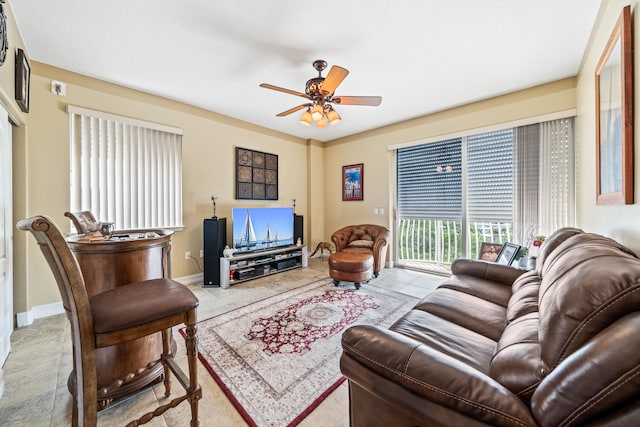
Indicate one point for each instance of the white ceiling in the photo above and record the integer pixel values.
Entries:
(421, 56)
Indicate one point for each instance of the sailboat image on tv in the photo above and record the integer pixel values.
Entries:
(274, 228)
(268, 238)
(248, 236)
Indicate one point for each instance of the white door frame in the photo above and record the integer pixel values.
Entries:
(6, 241)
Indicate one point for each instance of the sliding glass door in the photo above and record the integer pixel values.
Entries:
(451, 196)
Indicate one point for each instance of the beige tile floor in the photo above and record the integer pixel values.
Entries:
(39, 364)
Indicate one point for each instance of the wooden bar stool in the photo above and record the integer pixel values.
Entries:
(119, 315)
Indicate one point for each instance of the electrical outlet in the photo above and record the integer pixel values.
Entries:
(187, 255)
(381, 210)
(201, 253)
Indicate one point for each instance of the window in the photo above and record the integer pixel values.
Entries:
(493, 187)
(126, 171)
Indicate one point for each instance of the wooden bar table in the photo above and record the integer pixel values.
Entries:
(128, 256)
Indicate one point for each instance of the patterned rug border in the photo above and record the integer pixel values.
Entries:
(229, 394)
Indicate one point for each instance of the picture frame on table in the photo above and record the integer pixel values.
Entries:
(614, 116)
(507, 254)
(22, 80)
(353, 182)
(489, 251)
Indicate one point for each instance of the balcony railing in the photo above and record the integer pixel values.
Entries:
(434, 244)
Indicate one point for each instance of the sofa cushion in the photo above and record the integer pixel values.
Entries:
(517, 363)
(553, 241)
(524, 296)
(479, 287)
(591, 383)
(588, 283)
(448, 338)
(473, 313)
(444, 382)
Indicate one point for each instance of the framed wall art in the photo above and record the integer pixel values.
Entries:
(23, 78)
(614, 116)
(353, 182)
(256, 175)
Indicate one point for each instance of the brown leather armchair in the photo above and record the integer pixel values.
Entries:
(365, 238)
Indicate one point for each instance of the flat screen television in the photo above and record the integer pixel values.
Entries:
(261, 228)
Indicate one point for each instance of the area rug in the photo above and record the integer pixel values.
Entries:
(278, 358)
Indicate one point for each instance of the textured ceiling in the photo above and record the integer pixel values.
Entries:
(421, 56)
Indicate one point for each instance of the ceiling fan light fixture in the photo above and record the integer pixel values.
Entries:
(317, 112)
(306, 118)
(319, 96)
(333, 117)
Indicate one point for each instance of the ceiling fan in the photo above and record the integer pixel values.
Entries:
(320, 93)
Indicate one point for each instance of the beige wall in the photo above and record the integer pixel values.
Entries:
(371, 148)
(41, 158)
(620, 222)
(208, 155)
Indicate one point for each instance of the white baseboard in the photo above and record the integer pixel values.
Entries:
(46, 310)
(38, 312)
(190, 280)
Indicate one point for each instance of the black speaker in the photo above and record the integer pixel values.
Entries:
(214, 239)
(298, 227)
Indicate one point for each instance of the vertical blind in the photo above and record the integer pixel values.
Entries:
(126, 171)
(526, 171)
(557, 191)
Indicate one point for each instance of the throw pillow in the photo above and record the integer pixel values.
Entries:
(361, 244)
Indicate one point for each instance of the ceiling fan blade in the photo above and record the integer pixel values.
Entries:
(334, 78)
(281, 89)
(293, 110)
(357, 100)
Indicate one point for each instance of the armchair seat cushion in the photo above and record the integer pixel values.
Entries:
(356, 250)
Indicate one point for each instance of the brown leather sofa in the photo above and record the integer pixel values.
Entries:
(365, 238)
(493, 345)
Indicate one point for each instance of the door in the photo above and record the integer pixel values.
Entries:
(6, 241)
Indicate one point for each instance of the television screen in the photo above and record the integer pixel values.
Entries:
(261, 228)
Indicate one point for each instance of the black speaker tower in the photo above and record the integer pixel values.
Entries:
(298, 227)
(214, 239)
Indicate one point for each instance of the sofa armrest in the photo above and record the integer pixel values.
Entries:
(498, 273)
(432, 375)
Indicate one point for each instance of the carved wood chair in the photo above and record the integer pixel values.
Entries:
(84, 221)
(119, 315)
